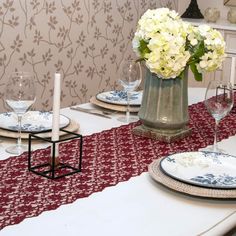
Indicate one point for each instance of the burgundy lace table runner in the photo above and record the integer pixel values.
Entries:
(109, 157)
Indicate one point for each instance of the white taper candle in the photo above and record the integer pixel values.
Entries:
(56, 109)
(232, 71)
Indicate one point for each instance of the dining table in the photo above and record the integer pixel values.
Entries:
(137, 205)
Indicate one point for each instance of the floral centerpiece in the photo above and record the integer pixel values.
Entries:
(169, 46)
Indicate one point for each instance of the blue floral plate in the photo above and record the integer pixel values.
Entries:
(205, 169)
(32, 121)
(120, 97)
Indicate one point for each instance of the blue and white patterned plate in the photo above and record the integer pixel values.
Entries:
(32, 121)
(120, 97)
(205, 169)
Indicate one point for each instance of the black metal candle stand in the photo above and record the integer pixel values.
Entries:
(51, 166)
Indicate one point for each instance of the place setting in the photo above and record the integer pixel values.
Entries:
(199, 174)
(117, 100)
(127, 100)
(32, 122)
(22, 121)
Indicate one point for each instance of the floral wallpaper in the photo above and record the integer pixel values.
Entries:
(84, 40)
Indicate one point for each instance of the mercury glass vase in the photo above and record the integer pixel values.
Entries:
(164, 108)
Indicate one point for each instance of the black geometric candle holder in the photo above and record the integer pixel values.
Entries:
(44, 161)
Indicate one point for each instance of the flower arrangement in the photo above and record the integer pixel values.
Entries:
(168, 45)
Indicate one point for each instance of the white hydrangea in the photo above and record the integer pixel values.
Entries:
(214, 48)
(168, 44)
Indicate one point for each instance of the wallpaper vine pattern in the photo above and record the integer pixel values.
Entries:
(84, 40)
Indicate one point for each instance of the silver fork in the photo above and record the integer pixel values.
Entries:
(105, 112)
(93, 111)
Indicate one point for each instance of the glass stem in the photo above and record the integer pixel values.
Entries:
(19, 117)
(128, 107)
(215, 146)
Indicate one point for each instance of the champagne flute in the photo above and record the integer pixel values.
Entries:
(20, 94)
(219, 102)
(130, 79)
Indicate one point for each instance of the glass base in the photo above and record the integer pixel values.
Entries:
(17, 149)
(126, 119)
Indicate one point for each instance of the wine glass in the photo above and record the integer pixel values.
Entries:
(219, 102)
(20, 94)
(130, 77)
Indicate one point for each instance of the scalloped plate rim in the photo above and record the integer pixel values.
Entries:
(193, 182)
(62, 125)
(136, 102)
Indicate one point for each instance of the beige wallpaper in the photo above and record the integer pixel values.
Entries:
(85, 40)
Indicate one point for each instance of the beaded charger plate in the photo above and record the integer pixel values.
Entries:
(158, 175)
(114, 107)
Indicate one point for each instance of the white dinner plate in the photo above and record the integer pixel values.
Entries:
(32, 121)
(120, 97)
(205, 169)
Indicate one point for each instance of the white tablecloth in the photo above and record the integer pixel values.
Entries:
(139, 207)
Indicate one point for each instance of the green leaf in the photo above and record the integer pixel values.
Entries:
(197, 75)
(199, 50)
(143, 49)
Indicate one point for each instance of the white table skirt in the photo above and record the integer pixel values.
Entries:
(139, 207)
